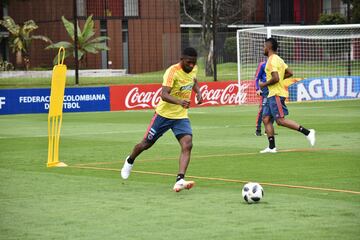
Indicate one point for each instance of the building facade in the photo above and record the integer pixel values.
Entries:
(145, 35)
(137, 29)
(275, 12)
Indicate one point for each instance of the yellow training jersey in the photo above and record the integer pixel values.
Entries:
(276, 64)
(181, 84)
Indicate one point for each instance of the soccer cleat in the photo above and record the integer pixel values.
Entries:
(269, 150)
(257, 133)
(311, 137)
(182, 184)
(126, 169)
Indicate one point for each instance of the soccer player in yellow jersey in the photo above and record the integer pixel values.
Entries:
(172, 113)
(276, 71)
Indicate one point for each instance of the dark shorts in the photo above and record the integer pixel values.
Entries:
(159, 125)
(275, 107)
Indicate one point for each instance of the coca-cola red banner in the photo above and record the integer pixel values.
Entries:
(130, 97)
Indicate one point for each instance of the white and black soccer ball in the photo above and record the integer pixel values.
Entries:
(252, 192)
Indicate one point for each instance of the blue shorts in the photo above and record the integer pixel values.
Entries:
(275, 107)
(159, 125)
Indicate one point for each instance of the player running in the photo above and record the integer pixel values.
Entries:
(276, 71)
(172, 113)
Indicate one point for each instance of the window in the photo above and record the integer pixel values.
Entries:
(343, 8)
(81, 8)
(104, 53)
(131, 8)
(125, 44)
(326, 6)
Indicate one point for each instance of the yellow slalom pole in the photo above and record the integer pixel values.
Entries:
(56, 110)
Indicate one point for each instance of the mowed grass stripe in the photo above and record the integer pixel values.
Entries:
(223, 180)
(216, 155)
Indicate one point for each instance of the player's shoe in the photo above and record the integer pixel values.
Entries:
(311, 137)
(126, 169)
(182, 184)
(269, 150)
(258, 133)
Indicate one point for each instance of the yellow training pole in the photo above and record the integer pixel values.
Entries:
(55, 111)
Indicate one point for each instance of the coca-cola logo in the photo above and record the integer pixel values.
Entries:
(135, 98)
(229, 95)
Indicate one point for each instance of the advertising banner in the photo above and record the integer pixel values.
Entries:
(18, 101)
(146, 96)
(332, 88)
(131, 97)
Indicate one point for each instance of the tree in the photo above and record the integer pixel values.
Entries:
(355, 10)
(20, 39)
(222, 12)
(86, 42)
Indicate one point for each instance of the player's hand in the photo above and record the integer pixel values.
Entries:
(261, 84)
(185, 103)
(199, 98)
(258, 92)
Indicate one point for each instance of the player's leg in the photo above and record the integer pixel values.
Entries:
(138, 149)
(287, 123)
(269, 128)
(259, 118)
(183, 132)
(282, 121)
(184, 159)
(157, 127)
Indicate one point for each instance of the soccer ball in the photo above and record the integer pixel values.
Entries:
(252, 192)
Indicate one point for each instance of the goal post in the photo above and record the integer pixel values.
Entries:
(317, 51)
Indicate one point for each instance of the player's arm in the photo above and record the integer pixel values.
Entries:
(257, 74)
(165, 96)
(274, 79)
(257, 87)
(260, 72)
(288, 73)
(197, 90)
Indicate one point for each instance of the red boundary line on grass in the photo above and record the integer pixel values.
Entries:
(226, 180)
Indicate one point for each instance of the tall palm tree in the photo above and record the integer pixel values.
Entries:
(20, 39)
(86, 44)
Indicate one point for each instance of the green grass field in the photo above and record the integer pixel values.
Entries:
(89, 200)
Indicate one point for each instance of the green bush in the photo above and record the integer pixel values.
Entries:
(332, 18)
(230, 48)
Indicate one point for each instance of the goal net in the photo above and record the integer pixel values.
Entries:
(329, 54)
